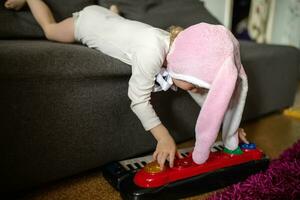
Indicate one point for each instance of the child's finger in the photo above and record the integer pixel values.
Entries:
(155, 155)
(243, 132)
(171, 159)
(244, 140)
(158, 158)
(161, 159)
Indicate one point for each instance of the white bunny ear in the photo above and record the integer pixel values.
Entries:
(234, 114)
(214, 108)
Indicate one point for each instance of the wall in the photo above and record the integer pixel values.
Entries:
(285, 28)
(221, 9)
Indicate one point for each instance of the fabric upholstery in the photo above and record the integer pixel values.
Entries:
(21, 24)
(163, 13)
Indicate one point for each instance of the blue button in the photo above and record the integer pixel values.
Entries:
(248, 146)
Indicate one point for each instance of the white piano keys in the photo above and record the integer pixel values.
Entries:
(138, 163)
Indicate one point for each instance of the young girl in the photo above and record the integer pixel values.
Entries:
(203, 59)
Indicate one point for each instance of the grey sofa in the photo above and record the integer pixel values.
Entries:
(64, 107)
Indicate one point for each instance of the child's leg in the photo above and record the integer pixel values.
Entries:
(60, 32)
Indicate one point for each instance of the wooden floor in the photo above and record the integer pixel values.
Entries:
(272, 133)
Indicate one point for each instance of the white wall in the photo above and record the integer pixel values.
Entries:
(285, 28)
(221, 9)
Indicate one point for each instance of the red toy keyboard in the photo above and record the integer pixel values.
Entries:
(142, 179)
(152, 176)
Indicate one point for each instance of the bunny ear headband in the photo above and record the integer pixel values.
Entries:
(207, 56)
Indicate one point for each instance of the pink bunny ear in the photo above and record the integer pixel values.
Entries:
(208, 56)
(214, 108)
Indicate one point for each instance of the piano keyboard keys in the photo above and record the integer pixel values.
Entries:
(138, 163)
(144, 163)
(184, 154)
(129, 167)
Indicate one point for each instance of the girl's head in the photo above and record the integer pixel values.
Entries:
(174, 31)
(197, 53)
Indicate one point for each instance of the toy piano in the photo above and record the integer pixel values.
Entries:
(141, 178)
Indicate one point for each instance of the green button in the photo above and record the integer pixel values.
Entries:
(237, 151)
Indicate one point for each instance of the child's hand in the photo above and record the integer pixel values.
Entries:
(165, 148)
(242, 136)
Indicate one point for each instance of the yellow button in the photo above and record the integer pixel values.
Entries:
(152, 167)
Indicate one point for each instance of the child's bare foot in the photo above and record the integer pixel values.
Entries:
(14, 4)
(114, 8)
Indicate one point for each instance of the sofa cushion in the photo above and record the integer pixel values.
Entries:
(273, 72)
(41, 59)
(64, 9)
(159, 13)
(163, 13)
(21, 24)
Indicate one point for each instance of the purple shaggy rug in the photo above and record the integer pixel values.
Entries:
(280, 181)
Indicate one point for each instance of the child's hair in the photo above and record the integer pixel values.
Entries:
(174, 31)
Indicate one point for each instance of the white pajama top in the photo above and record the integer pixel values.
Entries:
(137, 44)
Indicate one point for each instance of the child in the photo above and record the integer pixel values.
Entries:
(203, 59)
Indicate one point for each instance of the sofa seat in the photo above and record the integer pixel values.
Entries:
(65, 109)
(273, 75)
